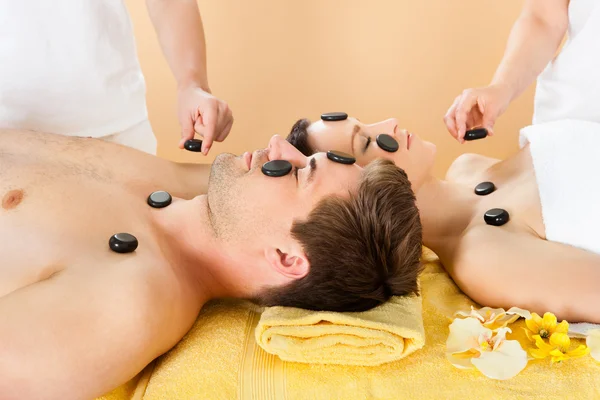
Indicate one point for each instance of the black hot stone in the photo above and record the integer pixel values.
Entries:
(277, 168)
(475, 134)
(484, 188)
(123, 243)
(159, 199)
(194, 145)
(340, 157)
(496, 217)
(334, 116)
(387, 143)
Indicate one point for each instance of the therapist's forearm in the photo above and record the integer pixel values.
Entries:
(531, 45)
(180, 33)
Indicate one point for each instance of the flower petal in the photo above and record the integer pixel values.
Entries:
(529, 335)
(536, 319)
(464, 335)
(538, 353)
(593, 343)
(532, 325)
(520, 312)
(560, 340)
(505, 363)
(549, 322)
(460, 362)
(541, 344)
(580, 351)
(563, 327)
(559, 358)
(500, 337)
(501, 321)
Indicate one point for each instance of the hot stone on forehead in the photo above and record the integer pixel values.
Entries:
(334, 116)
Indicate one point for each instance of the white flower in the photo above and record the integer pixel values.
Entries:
(471, 345)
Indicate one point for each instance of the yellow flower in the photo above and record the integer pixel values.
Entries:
(544, 327)
(593, 343)
(558, 347)
(471, 345)
(495, 318)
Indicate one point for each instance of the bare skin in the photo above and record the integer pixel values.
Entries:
(77, 319)
(57, 272)
(511, 265)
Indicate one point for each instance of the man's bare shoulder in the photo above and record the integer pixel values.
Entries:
(467, 166)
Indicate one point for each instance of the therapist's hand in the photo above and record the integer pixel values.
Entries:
(479, 107)
(201, 112)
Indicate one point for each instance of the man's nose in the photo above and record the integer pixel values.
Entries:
(280, 149)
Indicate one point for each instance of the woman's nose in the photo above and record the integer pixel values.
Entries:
(390, 126)
(280, 149)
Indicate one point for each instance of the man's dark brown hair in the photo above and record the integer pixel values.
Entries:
(362, 248)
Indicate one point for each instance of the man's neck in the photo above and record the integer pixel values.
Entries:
(190, 244)
(446, 209)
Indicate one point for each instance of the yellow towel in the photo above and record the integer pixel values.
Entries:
(219, 359)
(385, 333)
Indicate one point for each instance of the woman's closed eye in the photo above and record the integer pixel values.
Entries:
(367, 144)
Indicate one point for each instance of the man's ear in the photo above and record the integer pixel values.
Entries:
(291, 263)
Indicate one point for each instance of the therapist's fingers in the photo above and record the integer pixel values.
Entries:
(187, 129)
(224, 119)
(225, 131)
(205, 126)
(465, 105)
(449, 118)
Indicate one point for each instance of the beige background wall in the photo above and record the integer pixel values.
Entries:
(275, 61)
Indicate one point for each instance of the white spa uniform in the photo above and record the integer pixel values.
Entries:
(569, 86)
(70, 67)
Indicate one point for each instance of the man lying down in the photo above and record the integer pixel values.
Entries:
(517, 232)
(101, 272)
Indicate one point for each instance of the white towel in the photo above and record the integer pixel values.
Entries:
(69, 67)
(566, 160)
(569, 87)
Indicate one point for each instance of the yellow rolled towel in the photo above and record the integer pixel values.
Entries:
(385, 333)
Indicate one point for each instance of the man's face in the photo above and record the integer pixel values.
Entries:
(414, 155)
(255, 210)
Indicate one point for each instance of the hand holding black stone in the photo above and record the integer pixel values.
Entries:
(387, 143)
(123, 243)
(475, 134)
(340, 157)
(194, 145)
(276, 168)
(334, 116)
(159, 199)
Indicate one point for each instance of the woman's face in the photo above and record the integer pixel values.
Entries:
(351, 136)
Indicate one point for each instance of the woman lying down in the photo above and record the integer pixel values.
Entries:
(517, 232)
